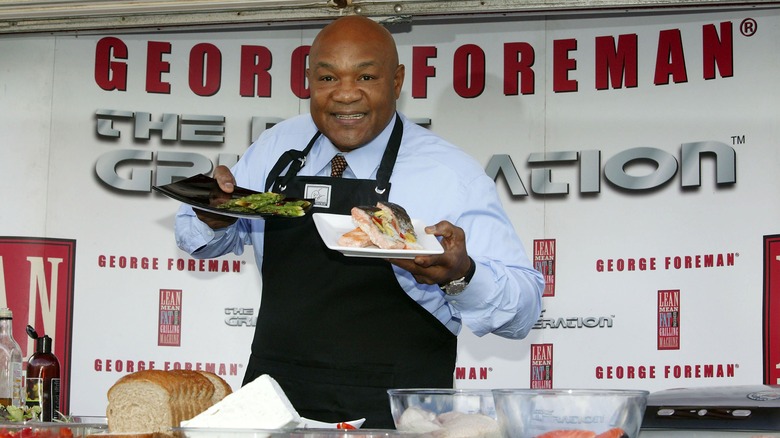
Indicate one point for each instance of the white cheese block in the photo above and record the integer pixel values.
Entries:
(261, 404)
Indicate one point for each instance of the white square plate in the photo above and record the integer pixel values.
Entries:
(332, 226)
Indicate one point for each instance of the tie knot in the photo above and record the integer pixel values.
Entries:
(337, 166)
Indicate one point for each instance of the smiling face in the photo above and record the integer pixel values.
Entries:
(355, 80)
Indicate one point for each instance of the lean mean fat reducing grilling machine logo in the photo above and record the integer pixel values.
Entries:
(669, 319)
(544, 262)
(169, 324)
(541, 366)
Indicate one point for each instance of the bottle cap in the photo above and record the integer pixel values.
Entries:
(43, 344)
(6, 313)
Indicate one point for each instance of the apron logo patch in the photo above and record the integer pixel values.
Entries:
(320, 193)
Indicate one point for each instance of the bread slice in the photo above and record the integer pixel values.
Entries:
(194, 393)
(154, 401)
(221, 387)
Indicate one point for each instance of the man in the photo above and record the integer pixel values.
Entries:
(336, 332)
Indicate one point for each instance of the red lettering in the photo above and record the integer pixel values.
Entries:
(421, 70)
(613, 61)
(205, 69)
(518, 60)
(562, 65)
(111, 75)
(298, 72)
(254, 77)
(156, 66)
(718, 51)
(670, 60)
(469, 71)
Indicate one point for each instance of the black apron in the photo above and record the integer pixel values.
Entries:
(336, 332)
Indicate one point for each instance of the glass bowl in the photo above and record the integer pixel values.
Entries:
(444, 412)
(194, 432)
(529, 413)
(40, 429)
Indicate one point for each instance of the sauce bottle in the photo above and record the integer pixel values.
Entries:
(43, 378)
(10, 362)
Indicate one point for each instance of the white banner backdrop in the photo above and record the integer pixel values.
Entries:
(521, 95)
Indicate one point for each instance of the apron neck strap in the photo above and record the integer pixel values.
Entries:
(388, 159)
(297, 159)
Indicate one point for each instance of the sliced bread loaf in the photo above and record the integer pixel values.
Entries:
(154, 401)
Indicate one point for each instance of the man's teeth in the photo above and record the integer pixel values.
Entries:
(349, 116)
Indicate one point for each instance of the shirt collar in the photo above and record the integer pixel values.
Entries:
(363, 161)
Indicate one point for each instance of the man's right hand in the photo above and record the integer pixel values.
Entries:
(226, 183)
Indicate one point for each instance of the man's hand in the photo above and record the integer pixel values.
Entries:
(454, 263)
(226, 183)
(224, 178)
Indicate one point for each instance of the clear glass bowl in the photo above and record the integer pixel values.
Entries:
(40, 429)
(444, 412)
(529, 413)
(194, 432)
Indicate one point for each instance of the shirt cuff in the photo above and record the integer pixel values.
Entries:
(197, 236)
(468, 298)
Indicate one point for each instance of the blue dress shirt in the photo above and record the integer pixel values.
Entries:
(433, 180)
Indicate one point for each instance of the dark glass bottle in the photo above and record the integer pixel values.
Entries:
(43, 380)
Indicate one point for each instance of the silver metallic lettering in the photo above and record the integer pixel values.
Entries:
(616, 169)
(541, 179)
(168, 126)
(194, 128)
(725, 158)
(503, 164)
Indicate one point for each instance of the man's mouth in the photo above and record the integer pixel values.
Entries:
(350, 116)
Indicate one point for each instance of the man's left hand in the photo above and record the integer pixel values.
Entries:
(454, 263)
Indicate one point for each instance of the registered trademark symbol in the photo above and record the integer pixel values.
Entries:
(490, 368)
(736, 254)
(748, 27)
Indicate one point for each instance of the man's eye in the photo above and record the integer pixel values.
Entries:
(366, 77)
(326, 78)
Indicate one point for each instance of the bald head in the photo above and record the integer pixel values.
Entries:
(355, 79)
(356, 29)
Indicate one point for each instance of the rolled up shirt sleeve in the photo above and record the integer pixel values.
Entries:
(504, 297)
(201, 242)
(507, 305)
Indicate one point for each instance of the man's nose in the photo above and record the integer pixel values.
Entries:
(347, 92)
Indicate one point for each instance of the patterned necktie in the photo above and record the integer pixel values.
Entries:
(337, 166)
